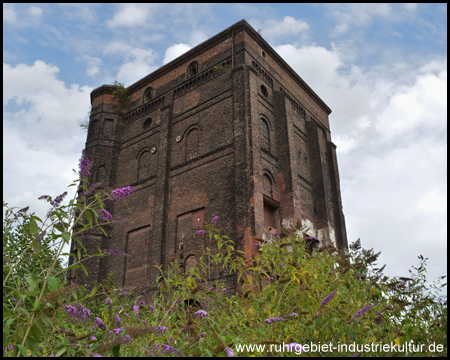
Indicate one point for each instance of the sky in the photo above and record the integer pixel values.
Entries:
(381, 68)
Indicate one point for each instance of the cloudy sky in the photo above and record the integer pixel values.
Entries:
(381, 68)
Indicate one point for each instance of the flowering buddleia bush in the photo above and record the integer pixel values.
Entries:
(287, 297)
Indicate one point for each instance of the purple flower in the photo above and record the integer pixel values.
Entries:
(84, 165)
(145, 322)
(117, 331)
(136, 309)
(203, 334)
(229, 352)
(389, 307)
(105, 215)
(224, 289)
(43, 197)
(282, 264)
(277, 234)
(214, 220)
(171, 339)
(117, 318)
(152, 309)
(58, 199)
(201, 313)
(160, 329)
(271, 279)
(211, 288)
(108, 302)
(93, 338)
(200, 231)
(126, 314)
(78, 311)
(93, 355)
(187, 338)
(310, 238)
(357, 276)
(100, 323)
(327, 299)
(274, 320)
(125, 339)
(142, 302)
(119, 194)
(363, 311)
(256, 245)
(293, 314)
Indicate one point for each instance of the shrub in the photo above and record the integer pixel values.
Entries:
(291, 298)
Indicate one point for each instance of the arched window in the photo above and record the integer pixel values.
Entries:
(264, 128)
(192, 69)
(101, 175)
(148, 93)
(192, 140)
(267, 185)
(144, 166)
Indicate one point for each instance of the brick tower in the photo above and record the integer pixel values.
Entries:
(227, 129)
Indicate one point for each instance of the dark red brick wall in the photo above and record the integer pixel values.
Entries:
(194, 152)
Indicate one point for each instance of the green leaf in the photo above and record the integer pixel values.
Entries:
(75, 266)
(23, 350)
(60, 352)
(84, 269)
(34, 229)
(52, 283)
(103, 231)
(47, 321)
(79, 254)
(116, 351)
(94, 290)
(66, 237)
(88, 217)
(36, 303)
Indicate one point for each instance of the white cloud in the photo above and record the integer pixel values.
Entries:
(137, 64)
(9, 14)
(133, 15)
(93, 64)
(289, 26)
(287, 29)
(360, 15)
(41, 141)
(35, 11)
(174, 51)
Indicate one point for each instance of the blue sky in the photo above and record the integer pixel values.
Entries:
(381, 68)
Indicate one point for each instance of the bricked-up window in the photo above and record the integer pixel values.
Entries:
(148, 95)
(144, 166)
(101, 175)
(192, 140)
(265, 144)
(192, 69)
(267, 185)
(190, 263)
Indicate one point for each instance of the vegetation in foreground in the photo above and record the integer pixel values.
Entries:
(294, 300)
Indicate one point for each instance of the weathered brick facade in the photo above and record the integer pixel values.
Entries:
(227, 129)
